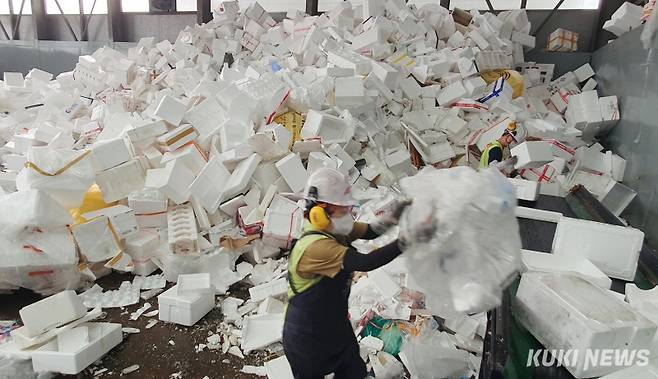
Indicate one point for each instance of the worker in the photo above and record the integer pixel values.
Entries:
(318, 338)
(492, 156)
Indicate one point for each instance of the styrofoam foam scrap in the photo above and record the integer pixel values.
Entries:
(149, 282)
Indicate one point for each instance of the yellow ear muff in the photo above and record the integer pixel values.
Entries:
(318, 217)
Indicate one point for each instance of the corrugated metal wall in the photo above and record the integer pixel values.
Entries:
(625, 69)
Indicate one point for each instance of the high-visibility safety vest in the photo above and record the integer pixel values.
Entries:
(296, 283)
(484, 160)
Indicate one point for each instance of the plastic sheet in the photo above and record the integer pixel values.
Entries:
(66, 175)
(475, 246)
(431, 354)
(20, 368)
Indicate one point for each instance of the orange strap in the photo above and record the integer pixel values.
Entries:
(61, 170)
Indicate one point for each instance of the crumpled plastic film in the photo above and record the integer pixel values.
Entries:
(66, 175)
(25, 209)
(473, 247)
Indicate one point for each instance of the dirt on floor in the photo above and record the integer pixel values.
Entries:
(164, 351)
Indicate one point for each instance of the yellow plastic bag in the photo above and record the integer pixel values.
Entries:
(513, 78)
(92, 201)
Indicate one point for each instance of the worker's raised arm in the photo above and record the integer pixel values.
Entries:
(355, 261)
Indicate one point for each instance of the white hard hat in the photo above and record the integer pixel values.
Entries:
(331, 186)
(518, 132)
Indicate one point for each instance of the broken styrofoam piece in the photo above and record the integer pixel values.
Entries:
(23, 341)
(546, 262)
(149, 282)
(386, 366)
(185, 309)
(538, 214)
(72, 359)
(61, 308)
(276, 288)
(278, 368)
(615, 250)
(261, 331)
(597, 319)
(127, 294)
(525, 189)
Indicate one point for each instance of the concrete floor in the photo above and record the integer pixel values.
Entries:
(150, 349)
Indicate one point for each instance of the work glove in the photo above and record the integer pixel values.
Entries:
(390, 216)
(418, 226)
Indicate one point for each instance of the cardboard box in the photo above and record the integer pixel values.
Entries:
(562, 40)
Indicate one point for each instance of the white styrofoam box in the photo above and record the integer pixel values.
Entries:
(399, 161)
(455, 127)
(532, 154)
(280, 227)
(591, 159)
(153, 157)
(384, 283)
(590, 317)
(97, 239)
(609, 110)
(182, 230)
(260, 331)
(142, 245)
(524, 39)
(410, 87)
(330, 129)
(206, 117)
(208, 186)
(293, 171)
(52, 312)
(474, 86)
(178, 137)
(240, 177)
(146, 133)
(479, 39)
(110, 153)
(525, 189)
(271, 306)
(14, 79)
(121, 217)
(193, 282)
(345, 162)
(584, 112)
(546, 262)
(118, 182)
(537, 214)
(387, 74)
(173, 181)
(103, 337)
(613, 249)
(73, 339)
(275, 288)
(171, 110)
(191, 155)
(147, 201)
(589, 85)
(185, 309)
(349, 90)
(451, 93)
(318, 159)
(613, 195)
(584, 72)
(144, 268)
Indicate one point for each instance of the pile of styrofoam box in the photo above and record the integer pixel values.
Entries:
(200, 161)
(58, 336)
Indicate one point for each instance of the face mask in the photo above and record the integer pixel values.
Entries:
(343, 225)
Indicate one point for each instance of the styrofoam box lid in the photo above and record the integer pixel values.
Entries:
(613, 249)
(187, 300)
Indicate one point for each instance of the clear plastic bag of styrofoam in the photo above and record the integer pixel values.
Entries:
(42, 260)
(32, 208)
(20, 368)
(473, 247)
(66, 175)
(430, 354)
